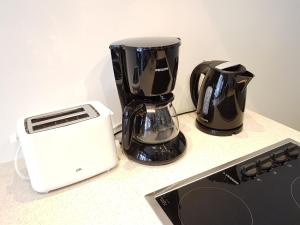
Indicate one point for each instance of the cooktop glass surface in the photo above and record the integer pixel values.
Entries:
(260, 189)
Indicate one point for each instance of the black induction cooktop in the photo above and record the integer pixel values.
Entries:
(259, 189)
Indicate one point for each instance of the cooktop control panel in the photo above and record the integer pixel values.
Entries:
(264, 163)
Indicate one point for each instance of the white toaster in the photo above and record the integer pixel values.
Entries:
(67, 146)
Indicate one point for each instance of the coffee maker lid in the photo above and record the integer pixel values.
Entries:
(148, 42)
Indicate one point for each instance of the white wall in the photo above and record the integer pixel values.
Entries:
(55, 53)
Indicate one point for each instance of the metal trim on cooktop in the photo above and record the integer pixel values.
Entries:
(151, 197)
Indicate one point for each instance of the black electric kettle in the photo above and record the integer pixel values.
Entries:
(220, 99)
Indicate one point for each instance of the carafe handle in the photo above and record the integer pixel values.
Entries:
(129, 114)
(202, 68)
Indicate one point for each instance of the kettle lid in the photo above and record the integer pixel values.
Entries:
(231, 67)
(148, 42)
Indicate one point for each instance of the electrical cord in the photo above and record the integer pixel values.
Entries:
(117, 132)
(20, 174)
(179, 114)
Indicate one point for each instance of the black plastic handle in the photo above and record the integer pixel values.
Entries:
(119, 67)
(202, 68)
(129, 113)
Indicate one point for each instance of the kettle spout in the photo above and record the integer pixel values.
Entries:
(242, 80)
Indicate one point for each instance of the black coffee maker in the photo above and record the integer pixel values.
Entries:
(145, 71)
(221, 98)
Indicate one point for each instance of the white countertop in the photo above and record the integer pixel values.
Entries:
(117, 197)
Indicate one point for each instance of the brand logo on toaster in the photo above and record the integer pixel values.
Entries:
(78, 169)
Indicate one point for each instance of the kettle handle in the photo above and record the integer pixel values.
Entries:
(202, 68)
(129, 113)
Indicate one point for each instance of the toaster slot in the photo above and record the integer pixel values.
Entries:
(59, 122)
(59, 118)
(57, 115)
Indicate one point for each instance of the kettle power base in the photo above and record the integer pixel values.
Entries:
(157, 154)
(217, 132)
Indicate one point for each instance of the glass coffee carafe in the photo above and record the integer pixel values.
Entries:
(150, 128)
(156, 124)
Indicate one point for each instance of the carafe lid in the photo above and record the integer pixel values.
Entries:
(160, 100)
(148, 42)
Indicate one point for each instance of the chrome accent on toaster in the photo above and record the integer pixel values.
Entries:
(59, 118)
